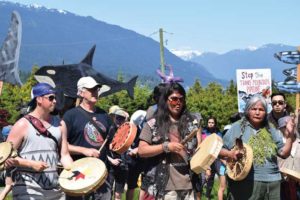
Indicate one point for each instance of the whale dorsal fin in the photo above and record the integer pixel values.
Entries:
(88, 59)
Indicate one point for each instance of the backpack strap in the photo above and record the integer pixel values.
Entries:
(39, 126)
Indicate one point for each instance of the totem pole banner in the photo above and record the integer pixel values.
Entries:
(251, 82)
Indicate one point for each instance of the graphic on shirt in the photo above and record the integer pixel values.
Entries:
(46, 180)
(174, 136)
(50, 158)
(91, 134)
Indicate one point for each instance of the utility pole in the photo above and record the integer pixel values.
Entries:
(162, 55)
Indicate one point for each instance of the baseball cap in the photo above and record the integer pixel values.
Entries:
(6, 130)
(122, 113)
(227, 127)
(113, 109)
(138, 117)
(39, 90)
(87, 82)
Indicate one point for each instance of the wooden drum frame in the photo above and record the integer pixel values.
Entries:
(238, 170)
(206, 153)
(7, 151)
(291, 174)
(124, 137)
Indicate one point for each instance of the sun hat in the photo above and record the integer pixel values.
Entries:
(113, 109)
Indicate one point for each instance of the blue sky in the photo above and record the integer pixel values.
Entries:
(203, 25)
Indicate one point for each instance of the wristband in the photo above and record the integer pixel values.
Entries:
(165, 147)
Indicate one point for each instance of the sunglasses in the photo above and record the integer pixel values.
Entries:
(175, 100)
(50, 98)
(94, 89)
(280, 102)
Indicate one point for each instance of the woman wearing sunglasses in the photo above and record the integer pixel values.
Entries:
(167, 173)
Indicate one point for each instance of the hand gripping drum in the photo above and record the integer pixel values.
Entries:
(7, 151)
(239, 169)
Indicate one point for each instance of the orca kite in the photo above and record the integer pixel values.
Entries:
(64, 78)
(10, 51)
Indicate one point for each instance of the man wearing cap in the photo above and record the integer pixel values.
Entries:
(40, 140)
(87, 128)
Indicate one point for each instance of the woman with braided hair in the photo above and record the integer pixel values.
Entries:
(263, 180)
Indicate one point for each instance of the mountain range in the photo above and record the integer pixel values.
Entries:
(52, 36)
(224, 65)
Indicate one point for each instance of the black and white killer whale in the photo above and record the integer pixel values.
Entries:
(64, 78)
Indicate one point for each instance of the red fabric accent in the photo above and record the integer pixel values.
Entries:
(147, 196)
(289, 190)
(38, 125)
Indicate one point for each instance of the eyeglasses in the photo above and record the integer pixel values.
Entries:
(175, 100)
(280, 102)
(50, 98)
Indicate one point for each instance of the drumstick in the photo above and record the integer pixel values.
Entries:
(103, 144)
(189, 136)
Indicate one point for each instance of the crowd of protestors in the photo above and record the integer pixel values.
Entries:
(157, 158)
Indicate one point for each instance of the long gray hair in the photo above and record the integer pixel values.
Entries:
(251, 102)
(254, 100)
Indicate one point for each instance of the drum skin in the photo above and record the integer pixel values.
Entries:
(291, 173)
(85, 176)
(124, 137)
(206, 153)
(6, 149)
(241, 168)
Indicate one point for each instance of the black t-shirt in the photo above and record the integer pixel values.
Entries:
(81, 132)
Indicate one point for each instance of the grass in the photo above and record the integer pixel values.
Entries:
(214, 193)
(136, 193)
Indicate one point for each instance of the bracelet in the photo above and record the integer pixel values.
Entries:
(165, 147)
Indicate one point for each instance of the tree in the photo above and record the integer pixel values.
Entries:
(13, 98)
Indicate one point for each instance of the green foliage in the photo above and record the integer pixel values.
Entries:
(213, 101)
(124, 101)
(263, 146)
(14, 97)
